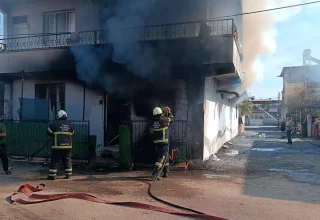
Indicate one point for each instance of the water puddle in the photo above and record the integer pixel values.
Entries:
(269, 149)
(303, 175)
(213, 176)
(286, 150)
(232, 153)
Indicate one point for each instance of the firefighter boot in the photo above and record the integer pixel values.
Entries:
(68, 177)
(165, 175)
(51, 178)
(155, 175)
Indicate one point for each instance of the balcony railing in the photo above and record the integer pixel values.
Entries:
(144, 33)
(40, 41)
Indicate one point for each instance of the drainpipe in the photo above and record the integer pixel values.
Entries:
(22, 85)
(84, 100)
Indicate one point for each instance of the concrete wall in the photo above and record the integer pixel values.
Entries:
(220, 119)
(74, 102)
(87, 13)
(29, 61)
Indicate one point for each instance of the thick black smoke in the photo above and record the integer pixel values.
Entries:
(143, 60)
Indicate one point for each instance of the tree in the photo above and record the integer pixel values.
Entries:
(245, 108)
(294, 103)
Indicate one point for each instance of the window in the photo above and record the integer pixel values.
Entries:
(59, 22)
(55, 93)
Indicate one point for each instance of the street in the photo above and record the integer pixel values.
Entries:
(273, 180)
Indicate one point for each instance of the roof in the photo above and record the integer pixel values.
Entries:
(312, 69)
(265, 101)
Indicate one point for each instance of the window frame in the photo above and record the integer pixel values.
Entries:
(55, 20)
(47, 92)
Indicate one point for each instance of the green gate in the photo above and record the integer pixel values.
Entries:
(125, 145)
(24, 138)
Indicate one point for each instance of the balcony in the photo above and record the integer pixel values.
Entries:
(213, 44)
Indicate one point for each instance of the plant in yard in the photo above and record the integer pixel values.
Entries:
(245, 108)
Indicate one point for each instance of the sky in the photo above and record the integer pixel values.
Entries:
(293, 31)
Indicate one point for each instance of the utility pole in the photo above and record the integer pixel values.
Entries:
(278, 109)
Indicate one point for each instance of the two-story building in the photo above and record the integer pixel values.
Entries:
(109, 61)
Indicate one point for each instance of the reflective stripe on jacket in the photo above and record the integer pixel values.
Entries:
(160, 129)
(62, 132)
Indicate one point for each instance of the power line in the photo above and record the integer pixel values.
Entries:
(266, 10)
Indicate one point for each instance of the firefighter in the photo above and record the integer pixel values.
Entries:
(61, 131)
(160, 133)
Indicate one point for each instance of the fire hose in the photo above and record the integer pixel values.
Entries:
(166, 202)
(33, 198)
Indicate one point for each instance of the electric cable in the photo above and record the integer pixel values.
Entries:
(265, 10)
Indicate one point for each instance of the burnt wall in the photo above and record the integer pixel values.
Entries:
(195, 97)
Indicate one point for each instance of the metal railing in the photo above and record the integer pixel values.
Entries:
(141, 144)
(144, 33)
(223, 27)
(93, 37)
(39, 41)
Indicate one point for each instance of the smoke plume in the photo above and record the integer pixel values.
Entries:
(119, 18)
(259, 34)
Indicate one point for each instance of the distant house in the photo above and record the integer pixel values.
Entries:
(300, 81)
(82, 57)
(264, 112)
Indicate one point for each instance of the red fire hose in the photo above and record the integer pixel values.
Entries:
(34, 198)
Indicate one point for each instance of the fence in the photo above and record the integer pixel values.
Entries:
(137, 146)
(144, 33)
(27, 137)
(35, 42)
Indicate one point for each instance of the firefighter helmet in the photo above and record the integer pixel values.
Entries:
(157, 111)
(61, 115)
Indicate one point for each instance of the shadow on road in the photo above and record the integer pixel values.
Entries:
(286, 172)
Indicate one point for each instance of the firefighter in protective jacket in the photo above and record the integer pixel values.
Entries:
(61, 132)
(160, 132)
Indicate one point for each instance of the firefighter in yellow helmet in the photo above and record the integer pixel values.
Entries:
(160, 133)
(61, 131)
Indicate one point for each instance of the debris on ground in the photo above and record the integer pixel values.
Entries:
(111, 152)
(214, 158)
(232, 153)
